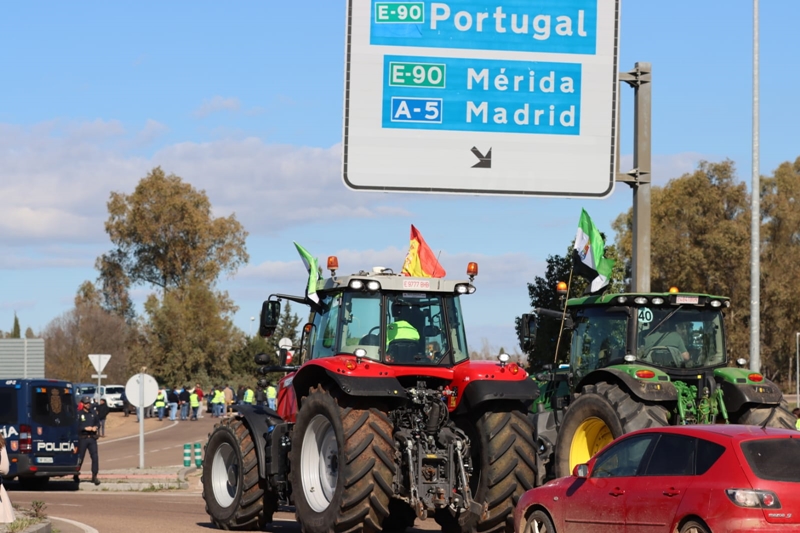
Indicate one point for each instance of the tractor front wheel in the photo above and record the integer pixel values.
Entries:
(601, 413)
(774, 416)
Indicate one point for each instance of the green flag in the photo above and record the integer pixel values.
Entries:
(589, 255)
(313, 272)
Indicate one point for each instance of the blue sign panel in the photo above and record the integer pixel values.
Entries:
(486, 95)
(549, 26)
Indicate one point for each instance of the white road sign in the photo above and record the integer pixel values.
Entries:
(133, 392)
(99, 361)
(512, 97)
(285, 343)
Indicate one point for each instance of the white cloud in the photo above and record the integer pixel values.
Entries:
(151, 131)
(216, 104)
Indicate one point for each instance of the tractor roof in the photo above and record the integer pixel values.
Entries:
(646, 298)
(389, 281)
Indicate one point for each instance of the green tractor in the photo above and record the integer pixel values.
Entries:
(638, 361)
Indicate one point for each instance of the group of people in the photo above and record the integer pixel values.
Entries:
(187, 403)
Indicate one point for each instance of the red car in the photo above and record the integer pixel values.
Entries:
(687, 479)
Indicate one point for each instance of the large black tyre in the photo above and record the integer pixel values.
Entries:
(504, 463)
(232, 489)
(599, 415)
(343, 464)
(774, 416)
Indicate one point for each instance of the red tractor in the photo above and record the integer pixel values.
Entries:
(385, 419)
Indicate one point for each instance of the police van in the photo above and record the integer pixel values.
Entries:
(38, 420)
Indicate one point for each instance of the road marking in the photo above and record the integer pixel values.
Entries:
(137, 435)
(84, 527)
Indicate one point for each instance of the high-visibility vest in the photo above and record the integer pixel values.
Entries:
(401, 330)
(194, 400)
(797, 424)
(272, 392)
(219, 397)
(160, 400)
(249, 396)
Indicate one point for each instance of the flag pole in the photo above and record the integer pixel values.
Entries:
(563, 314)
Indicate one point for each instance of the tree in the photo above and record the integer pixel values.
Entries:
(85, 329)
(700, 235)
(15, 331)
(165, 236)
(29, 334)
(189, 334)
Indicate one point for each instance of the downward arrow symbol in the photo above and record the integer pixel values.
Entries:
(484, 161)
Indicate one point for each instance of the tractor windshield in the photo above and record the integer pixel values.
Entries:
(598, 340)
(680, 337)
(396, 328)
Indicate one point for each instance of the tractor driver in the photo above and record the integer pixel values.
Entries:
(401, 328)
(667, 336)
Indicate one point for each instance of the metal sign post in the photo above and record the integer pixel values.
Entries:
(141, 390)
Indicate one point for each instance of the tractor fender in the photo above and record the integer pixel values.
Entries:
(651, 391)
(383, 387)
(479, 392)
(736, 396)
(259, 420)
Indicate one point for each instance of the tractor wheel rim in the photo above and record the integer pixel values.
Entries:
(590, 437)
(225, 474)
(319, 463)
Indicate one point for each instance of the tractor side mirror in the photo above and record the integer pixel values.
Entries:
(270, 314)
(529, 324)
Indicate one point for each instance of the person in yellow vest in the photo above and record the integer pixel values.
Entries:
(194, 403)
(796, 413)
(272, 396)
(400, 329)
(218, 403)
(161, 403)
(249, 396)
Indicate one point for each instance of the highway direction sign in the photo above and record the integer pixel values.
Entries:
(513, 97)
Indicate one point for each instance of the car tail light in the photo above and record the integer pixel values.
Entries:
(760, 499)
(25, 439)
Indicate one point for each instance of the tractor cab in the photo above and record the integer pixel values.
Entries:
(385, 317)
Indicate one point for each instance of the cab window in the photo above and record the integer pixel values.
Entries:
(598, 339)
(361, 324)
(323, 336)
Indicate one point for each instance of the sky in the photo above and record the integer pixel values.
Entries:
(244, 100)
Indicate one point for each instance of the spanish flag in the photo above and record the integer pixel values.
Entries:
(421, 262)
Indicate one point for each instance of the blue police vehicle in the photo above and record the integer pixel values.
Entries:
(38, 420)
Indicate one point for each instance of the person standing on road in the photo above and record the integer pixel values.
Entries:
(172, 400)
(6, 510)
(249, 397)
(261, 396)
(161, 403)
(228, 394)
(184, 399)
(87, 428)
(194, 401)
(272, 396)
(200, 396)
(102, 414)
(218, 403)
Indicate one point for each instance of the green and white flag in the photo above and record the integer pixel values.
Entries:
(313, 272)
(588, 256)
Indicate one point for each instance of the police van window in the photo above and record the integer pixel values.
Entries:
(8, 406)
(52, 406)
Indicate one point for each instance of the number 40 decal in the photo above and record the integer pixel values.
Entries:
(645, 315)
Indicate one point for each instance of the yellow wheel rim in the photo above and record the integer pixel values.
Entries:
(589, 439)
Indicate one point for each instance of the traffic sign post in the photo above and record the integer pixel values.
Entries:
(516, 98)
(141, 390)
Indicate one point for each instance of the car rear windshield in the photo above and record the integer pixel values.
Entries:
(52, 406)
(115, 390)
(774, 459)
(8, 406)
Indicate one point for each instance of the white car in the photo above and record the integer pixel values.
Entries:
(112, 394)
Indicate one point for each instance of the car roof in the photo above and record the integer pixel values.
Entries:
(737, 432)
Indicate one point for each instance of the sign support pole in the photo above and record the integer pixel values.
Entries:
(141, 420)
(640, 78)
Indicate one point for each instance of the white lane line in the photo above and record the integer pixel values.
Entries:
(136, 436)
(84, 527)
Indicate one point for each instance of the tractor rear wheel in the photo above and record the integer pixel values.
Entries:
(342, 461)
(504, 467)
(774, 416)
(232, 489)
(601, 413)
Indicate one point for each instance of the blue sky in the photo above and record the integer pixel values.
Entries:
(244, 100)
